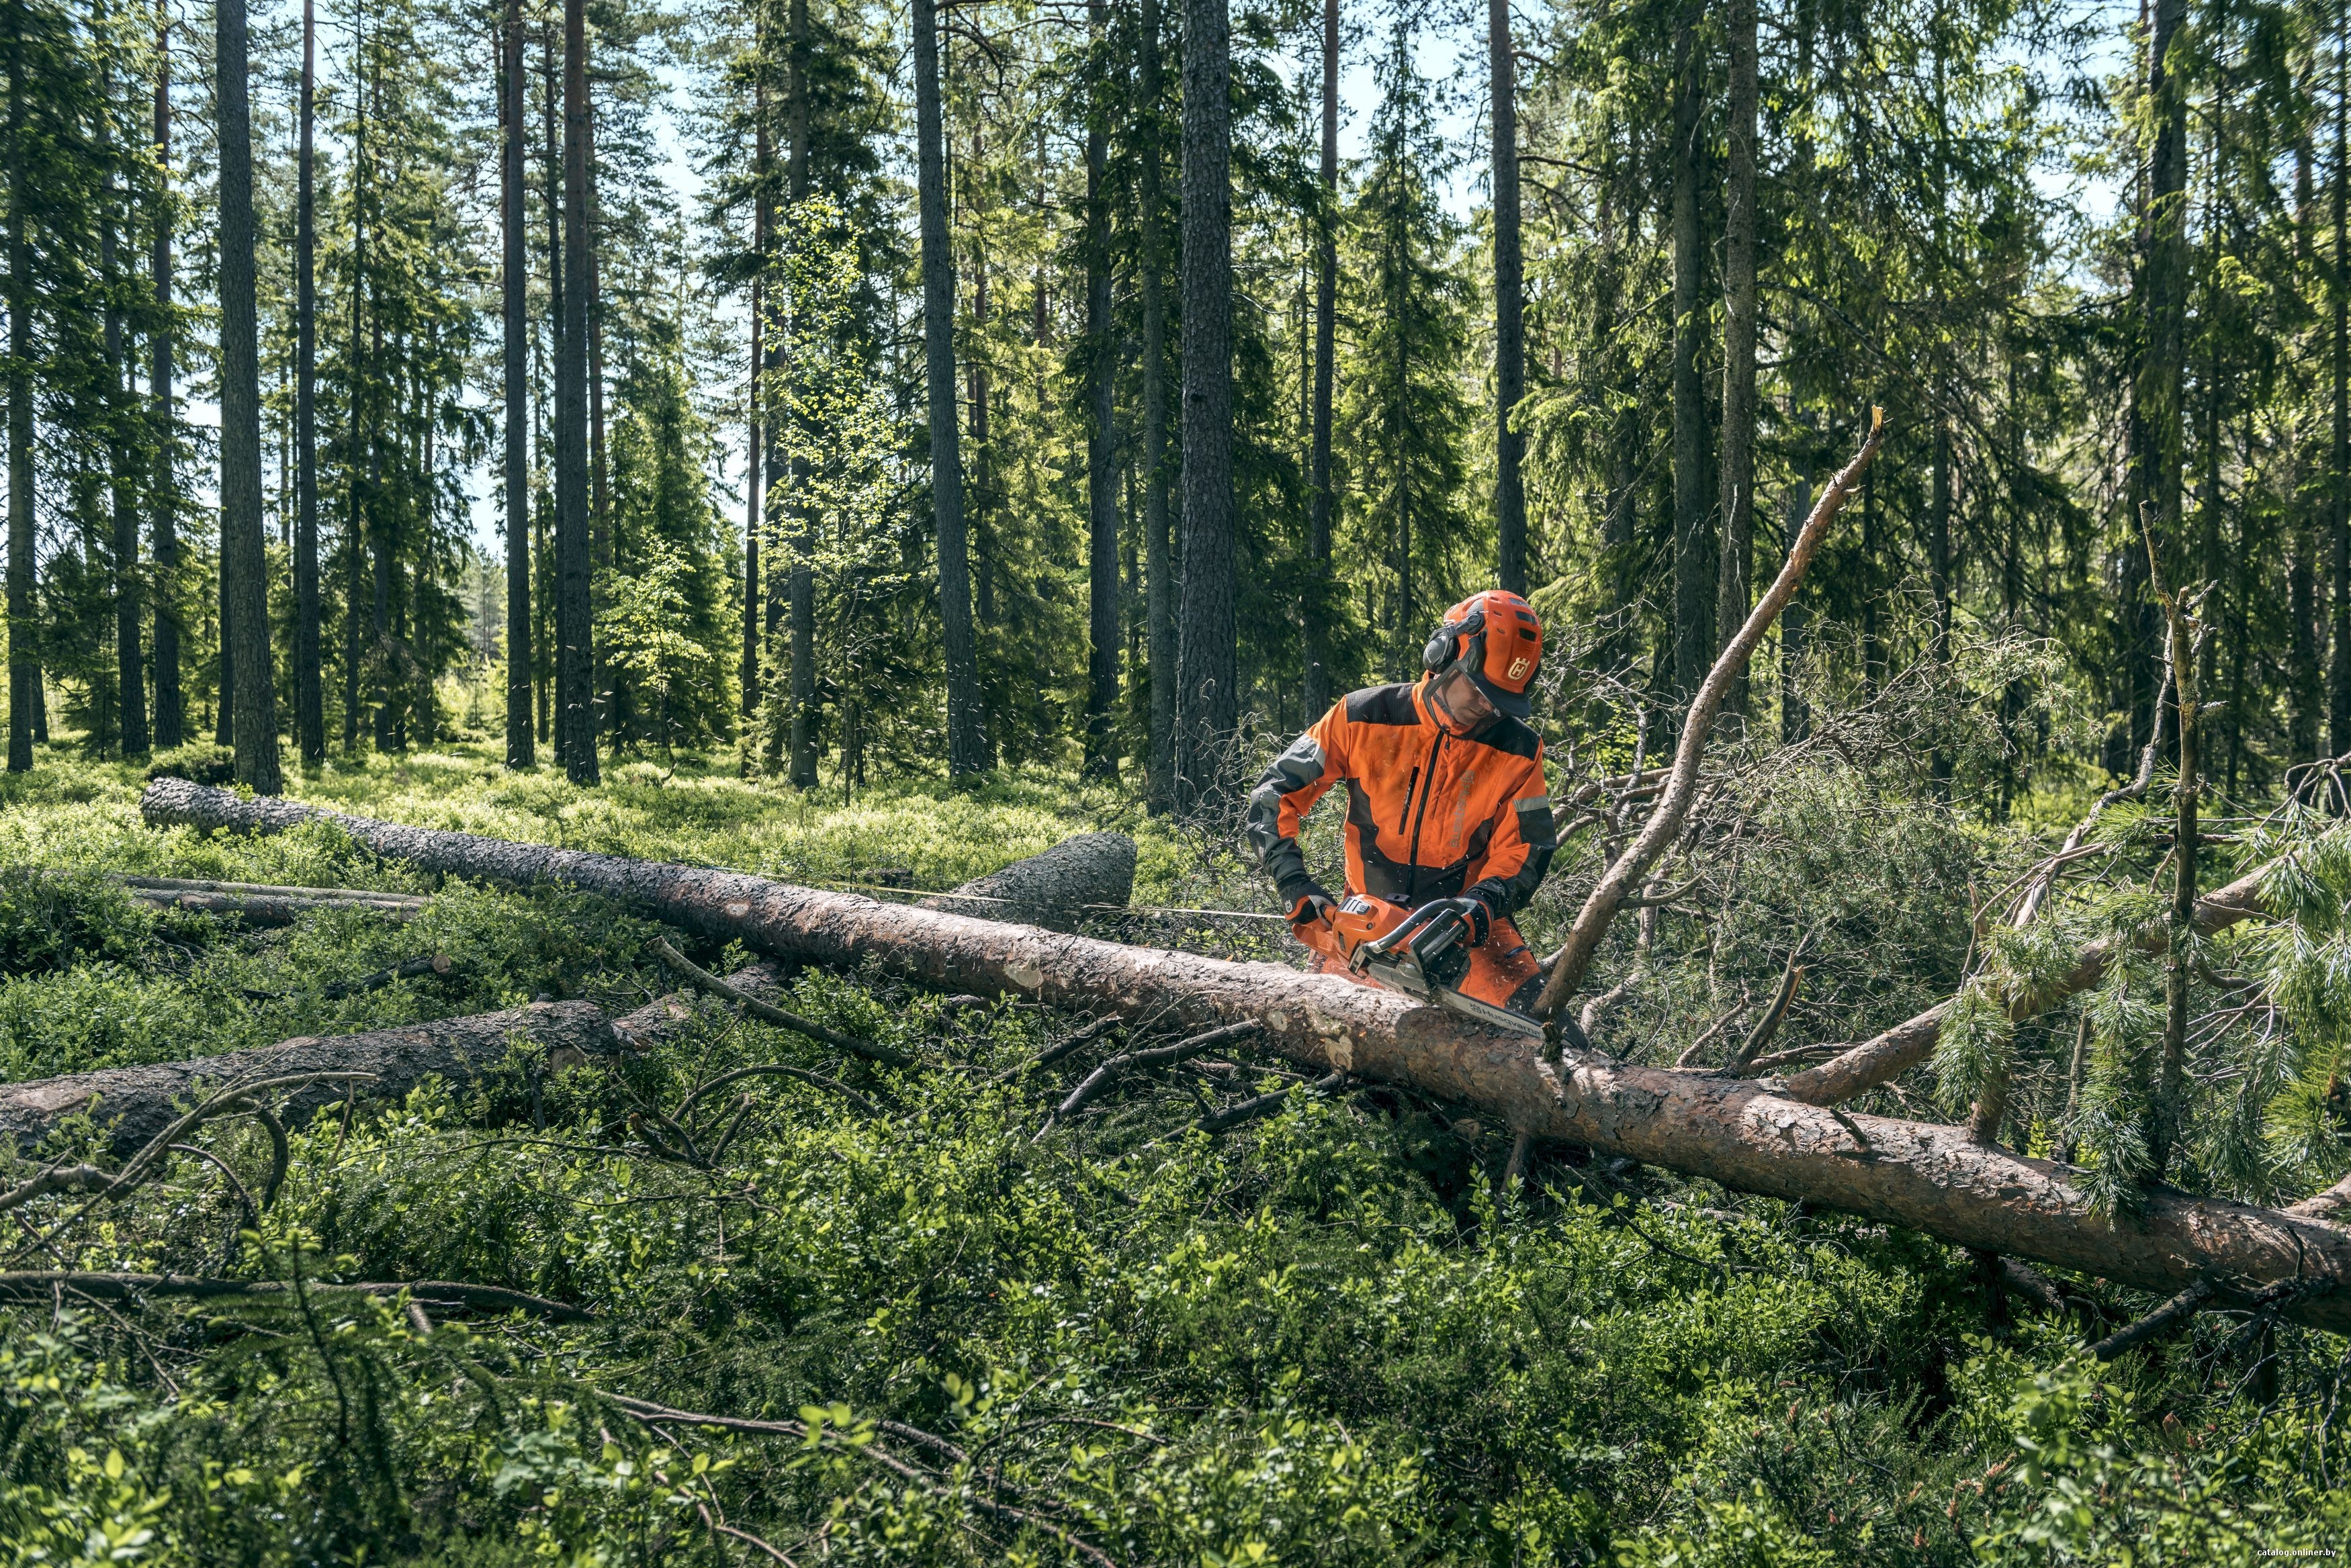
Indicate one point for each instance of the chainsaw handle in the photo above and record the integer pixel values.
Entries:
(1383, 945)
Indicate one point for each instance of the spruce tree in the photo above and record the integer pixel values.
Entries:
(246, 627)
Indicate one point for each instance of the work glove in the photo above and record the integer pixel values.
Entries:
(1308, 900)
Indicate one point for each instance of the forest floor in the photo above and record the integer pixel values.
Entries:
(1324, 1337)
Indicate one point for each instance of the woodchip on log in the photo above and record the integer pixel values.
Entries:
(1932, 1178)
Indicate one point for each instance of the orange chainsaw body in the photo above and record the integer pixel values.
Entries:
(1495, 971)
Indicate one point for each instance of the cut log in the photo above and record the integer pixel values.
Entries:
(1081, 878)
(134, 1104)
(1931, 1179)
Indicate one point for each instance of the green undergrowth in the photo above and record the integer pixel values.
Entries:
(1320, 1338)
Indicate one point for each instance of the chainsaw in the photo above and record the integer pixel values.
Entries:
(1421, 955)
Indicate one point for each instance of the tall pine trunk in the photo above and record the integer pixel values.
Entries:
(1735, 562)
(122, 395)
(1320, 502)
(1158, 557)
(600, 543)
(1693, 606)
(966, 746)
(1207, 701)
(171, 714)
(1102, 440)
(358, 467)
(310, 696)
(243, 566)
(803, 524)
(24, 659)
(521, 749)
(755, 485)
(1509, 305)
(2338, 541)
(2156, 389)
(575, 735)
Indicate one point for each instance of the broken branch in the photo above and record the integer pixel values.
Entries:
(1665, 824)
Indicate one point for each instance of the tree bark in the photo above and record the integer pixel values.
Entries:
(2339, 532)
(521, 748)
(1320, 504)
(1693, 616)
(1735, 567)
(244, 566)
(1101, 443)
(1207, 703)
(1510, 308)
(24, 658)
(1931, 1179)
(802, 523)
(130, 675)
(967, 747)
(575, 735)
(134, 1104)
(309, 675)
(1059, 889)
(1158, 564)
(171, 714)
(755, 479)
(600, 542)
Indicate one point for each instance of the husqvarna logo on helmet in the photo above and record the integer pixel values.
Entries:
(1517, 668)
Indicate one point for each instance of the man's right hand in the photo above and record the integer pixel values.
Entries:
(1310, 901)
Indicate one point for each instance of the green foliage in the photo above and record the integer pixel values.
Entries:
(1319, 1339)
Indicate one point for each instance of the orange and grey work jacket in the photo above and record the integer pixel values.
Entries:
(1429, 815)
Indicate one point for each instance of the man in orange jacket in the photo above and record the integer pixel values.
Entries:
(1446, 798)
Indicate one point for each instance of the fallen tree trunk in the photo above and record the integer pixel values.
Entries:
(1739, 1133)
(1090, 875)
(134, 1104)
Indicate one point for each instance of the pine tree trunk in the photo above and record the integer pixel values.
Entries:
(355, 458)
(1735, 567)
(244, 566)
(756, 403)
(601, 543)
(966, 746)
(803, 524)
(171, 714)
(2156, 386)
(309, 695)
(1101, 445)
(1322, 504)
(24, 666)
(1693, 603)
(521, 750)
(121, 395)
(1158, 557)
(575, 735)
(1208, 703)
(2339, 532)
(1509, 306)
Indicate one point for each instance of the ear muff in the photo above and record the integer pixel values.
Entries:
(1439, 651)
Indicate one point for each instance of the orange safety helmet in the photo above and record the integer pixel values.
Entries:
(1501, 637)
